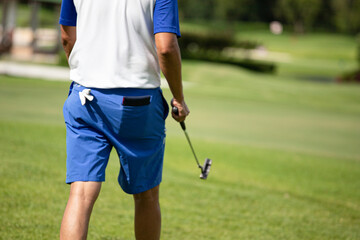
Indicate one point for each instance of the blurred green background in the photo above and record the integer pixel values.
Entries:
(285, 143)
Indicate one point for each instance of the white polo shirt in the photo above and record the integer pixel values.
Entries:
(115, 44)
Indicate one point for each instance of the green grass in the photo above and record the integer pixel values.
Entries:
(286, 161)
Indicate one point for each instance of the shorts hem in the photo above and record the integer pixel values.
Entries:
(141, 189)
(84, 179)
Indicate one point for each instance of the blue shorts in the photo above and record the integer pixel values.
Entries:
(131, 120)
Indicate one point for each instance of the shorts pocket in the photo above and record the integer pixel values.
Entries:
(135, 117)
(65, 109)
(165, 105)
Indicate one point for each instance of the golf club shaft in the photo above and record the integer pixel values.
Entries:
(192, 149)
(175, 110)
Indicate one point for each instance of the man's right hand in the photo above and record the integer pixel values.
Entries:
(183, 110)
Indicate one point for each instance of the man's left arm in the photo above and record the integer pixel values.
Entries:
(68, 38)
(67, 21)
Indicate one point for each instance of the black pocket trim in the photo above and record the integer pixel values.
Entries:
(136, 101)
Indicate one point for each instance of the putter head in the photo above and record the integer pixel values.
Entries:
(205, 170)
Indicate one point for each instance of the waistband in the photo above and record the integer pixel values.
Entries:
(118, 91)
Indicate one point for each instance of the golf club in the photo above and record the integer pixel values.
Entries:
(205, 169)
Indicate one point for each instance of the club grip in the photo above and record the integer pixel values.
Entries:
(175, 110)
(182, 124)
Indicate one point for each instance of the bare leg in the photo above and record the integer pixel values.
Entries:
(75, 222)
(147, 215)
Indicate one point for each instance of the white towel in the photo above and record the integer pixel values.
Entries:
(85, 94)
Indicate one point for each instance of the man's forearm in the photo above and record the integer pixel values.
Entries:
(170, 64)
(68, 46)
(68, 38)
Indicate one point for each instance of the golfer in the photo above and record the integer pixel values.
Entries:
(115, 50)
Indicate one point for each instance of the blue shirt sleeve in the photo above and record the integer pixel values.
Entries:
(68, 13)
(166, 17)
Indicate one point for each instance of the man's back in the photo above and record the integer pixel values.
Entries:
(115, 45)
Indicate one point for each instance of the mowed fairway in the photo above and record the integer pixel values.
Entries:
(286, 161)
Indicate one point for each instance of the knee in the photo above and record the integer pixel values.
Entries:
(84, 198)
(84, 193)
(151, 195)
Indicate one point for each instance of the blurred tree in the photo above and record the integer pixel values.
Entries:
(8, 24)
(358, 49)
(230, 9)
(245, 10)
(189, 9)
(333, 15)
(324, 19)
(265, 10)
(347, 15)
(300, 13)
